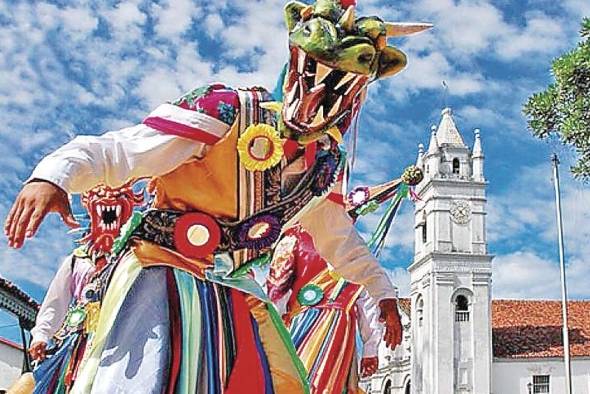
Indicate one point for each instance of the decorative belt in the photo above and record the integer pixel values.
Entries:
(197, 234)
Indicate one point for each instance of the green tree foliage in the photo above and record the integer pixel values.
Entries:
(563, 109)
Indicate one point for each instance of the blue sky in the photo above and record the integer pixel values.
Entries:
(85, 67)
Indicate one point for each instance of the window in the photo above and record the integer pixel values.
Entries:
(420, 311)
(540, 384)
(387, 389)
(456, 166)
(461, 308)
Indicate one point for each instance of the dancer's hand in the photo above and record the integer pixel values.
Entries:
(37, 350)
(369, 366)
(391, 319)
(33, 203)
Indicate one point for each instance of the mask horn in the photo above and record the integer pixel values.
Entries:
(347, 19)
(398, 29)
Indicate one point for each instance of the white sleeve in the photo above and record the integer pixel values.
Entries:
(339, 243)
(55, 305)
(115, 157)
(370, 328)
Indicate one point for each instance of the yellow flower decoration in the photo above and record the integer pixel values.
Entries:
(260, 147)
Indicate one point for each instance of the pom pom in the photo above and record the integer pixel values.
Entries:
(347, 3)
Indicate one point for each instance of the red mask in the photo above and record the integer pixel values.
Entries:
(109, 208)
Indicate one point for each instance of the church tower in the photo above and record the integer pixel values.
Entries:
(451, 272)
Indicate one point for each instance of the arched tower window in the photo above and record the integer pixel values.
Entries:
(456, 166)
(387, 389)
(420, 311)
(461, 308)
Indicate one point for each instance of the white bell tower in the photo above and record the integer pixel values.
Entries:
(451, 272)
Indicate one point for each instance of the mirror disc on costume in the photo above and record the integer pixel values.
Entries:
(261, 148)
(358, 196)
(75, 317)
(310, 295)
(196, 235)
(258, 230)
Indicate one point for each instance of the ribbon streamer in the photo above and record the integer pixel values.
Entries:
(378, 238)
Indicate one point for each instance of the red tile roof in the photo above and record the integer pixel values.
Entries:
(532, 328)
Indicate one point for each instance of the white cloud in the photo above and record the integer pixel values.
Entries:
(214, 24)
(427, 69)
(175, 17)
(579, 8)
(79, 20)
(524, 275)
(466, 26)
(542, 35)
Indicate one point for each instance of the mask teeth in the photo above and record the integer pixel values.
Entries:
(353, 84)
(321, 72)
(301, 58)
(291, 109)
(335, 107)
(348, 77)
(319, 117)
(292, 93)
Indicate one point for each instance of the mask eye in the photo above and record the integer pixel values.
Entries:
(365, 58)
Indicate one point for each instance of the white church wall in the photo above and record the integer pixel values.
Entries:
(512, 377)
(482, 327)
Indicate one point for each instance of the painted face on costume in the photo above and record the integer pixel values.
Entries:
(109, 208)
(333, 57)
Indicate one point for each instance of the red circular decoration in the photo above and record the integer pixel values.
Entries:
(182, 240)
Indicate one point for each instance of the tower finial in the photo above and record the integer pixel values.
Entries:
(420, 159)
(477, 149)
(433, 145)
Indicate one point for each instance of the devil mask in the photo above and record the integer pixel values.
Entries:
(109, 208)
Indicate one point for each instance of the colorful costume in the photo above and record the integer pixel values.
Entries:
(230, 168)
(71, 304)
(323, 311)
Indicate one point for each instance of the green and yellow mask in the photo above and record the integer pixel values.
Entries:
(333, 57)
